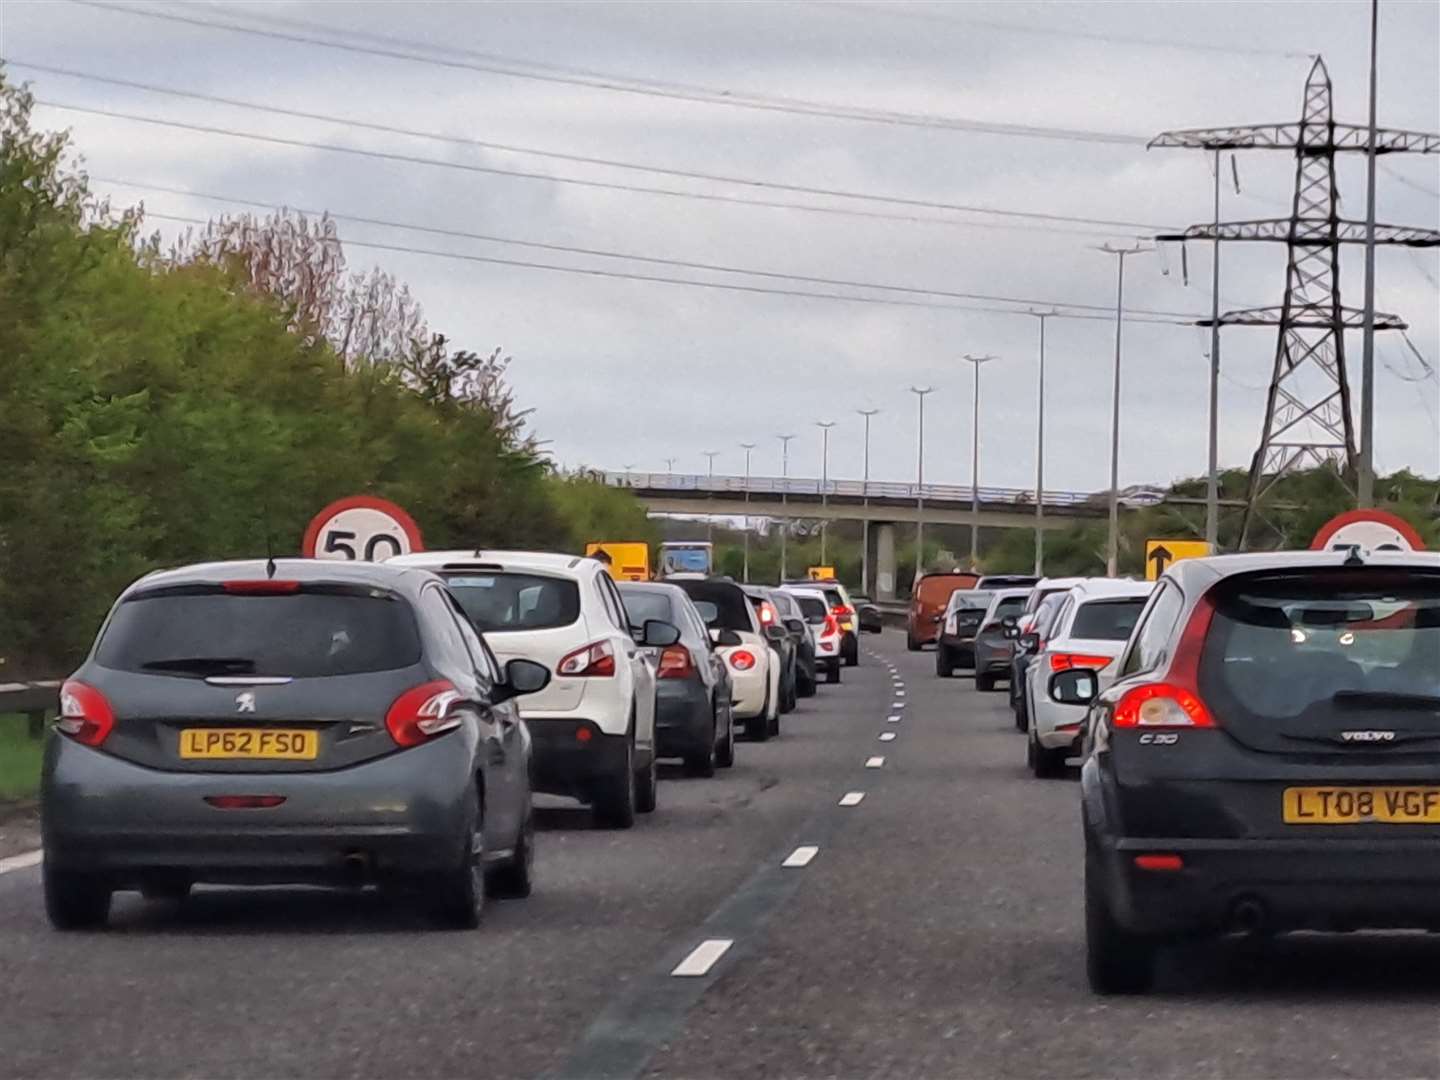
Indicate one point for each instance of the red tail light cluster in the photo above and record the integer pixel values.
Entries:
(742, 659)
(832, 626)
(675, 663)
(843, 609)
(1066, 661)
(423, 712)
(596, 660)
(1174, 702)
(263, 587)
(85, 715)
(767, 613)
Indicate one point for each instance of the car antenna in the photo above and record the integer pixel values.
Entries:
(1353, 556)
(269, 543)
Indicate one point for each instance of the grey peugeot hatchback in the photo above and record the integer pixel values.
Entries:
(297, 721)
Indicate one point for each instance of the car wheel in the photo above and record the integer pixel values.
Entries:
(614, 805)
(832, 674)
(944, 665)
(910, 643)
(985, 683)
(647, 783)
(703, 763)
(852, 655)
(75, 900)
(1116, 961)
(725, 753)
(1045, 764)
(458, 894)
(512, 880)
(788, 696)
(1021, 722)
(806, 684)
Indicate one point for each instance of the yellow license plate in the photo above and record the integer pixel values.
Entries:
(1359, 805)
(269, 744)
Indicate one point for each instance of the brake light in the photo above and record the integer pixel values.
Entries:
(264, 587)
(767, 613)
(742, 659)
(244, 802)
(843, 609)
(675, 663)
(85, 715)
(596, 660)
(1065, 661)
(423, 712)
(832, 627)
(1176, 701)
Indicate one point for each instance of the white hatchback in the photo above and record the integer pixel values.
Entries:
(1089, 631)
(824, 629)
(740, 640)
(593, 726)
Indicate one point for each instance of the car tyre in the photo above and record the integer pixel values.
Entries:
(1022, 719)
(725, 753)
(458, 894)
(647, 785)
(1045, 764)
(513, 879)
(832, 674)
(911, 644)
(805, 685)
(944, 665)
(75, 900)
(614, 805)
(702, 764)
(1116, 960)
(985, 683)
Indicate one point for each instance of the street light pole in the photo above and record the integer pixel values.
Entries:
(670, 465)
(745, 572)
(975, 465)
(920, 392)
(1040, 454)
(784, 500)
(1366, 480)
(824, 426)
(1212, 486)
(710, 476)
(1112, 547)
(865, 519)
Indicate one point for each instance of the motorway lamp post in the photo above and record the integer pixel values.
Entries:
(920, 392)
(824, 426)
(630, 474)
(710, 476)
(1366, 485)
(1040, 454)
(670, 465)
(1112, 546)
(977, 361)
(865, 518)
(784, 498)
(745, 572)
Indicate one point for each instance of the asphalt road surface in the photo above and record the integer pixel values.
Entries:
(936, 932)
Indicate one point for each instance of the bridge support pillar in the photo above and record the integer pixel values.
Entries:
(884, 534)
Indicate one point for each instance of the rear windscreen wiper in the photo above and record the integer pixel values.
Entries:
(203, 665)
(1386, 699)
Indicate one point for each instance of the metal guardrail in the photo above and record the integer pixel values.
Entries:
(33, 699)
(700, 483)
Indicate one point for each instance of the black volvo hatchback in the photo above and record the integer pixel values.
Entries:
(1268, 758)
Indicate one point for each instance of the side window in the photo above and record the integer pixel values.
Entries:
(435, 607)
(1147, 644)
(613, 604)
(479, 654)
(1062, 618)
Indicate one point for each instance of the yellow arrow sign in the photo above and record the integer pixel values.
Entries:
(1161, 553)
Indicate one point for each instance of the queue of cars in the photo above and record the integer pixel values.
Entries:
(343, 723)
(1258, 737)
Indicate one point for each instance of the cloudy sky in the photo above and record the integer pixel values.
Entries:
(621, 371)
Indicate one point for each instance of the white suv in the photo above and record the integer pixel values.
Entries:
(593, 726)
(1089, 631)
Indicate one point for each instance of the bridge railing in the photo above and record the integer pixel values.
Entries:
(701, 484)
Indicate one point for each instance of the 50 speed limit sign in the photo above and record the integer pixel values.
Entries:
(361, 527)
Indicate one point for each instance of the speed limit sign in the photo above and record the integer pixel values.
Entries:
(361, 527)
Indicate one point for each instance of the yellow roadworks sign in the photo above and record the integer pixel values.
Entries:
(1161, 553)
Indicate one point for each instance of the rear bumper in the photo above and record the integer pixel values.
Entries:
(1322, 884)
(403, 813)
(990, 662)
(748, 690)
(962, 653)
(682, 718)
(1056, 725)
(567, 762)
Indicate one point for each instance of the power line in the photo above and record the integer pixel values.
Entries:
(498, 65)
(656, 279)
(607, 254)
(688, 174)
(1400, 177)
(412, 159)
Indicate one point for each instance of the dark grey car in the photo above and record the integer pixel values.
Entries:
(302, 722)
(694, 719)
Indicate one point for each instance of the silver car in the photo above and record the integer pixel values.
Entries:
(292, 722)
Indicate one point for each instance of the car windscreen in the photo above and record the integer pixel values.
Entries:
(642, 604)
(514, 600)
(685, 560)
(1009, 605)
(1107, 620)
(732, 607)
(202, 630)
(1318, 653)
(813, 608)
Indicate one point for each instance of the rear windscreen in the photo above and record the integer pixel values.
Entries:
(642, 604)
(1107, 620)
(685, 560)
(516, 601)
(199, 631)
(1012, 605)
(731, 604)
(937, 589)
(1330, 648)
(813, 608)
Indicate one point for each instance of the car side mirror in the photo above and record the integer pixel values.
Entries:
(521, 677)
(795, 626)
(1012, 632)
(1029, 642)
(1010, 620)
(1075, 686)
(775, 633)
(658, 633)
(726, 639)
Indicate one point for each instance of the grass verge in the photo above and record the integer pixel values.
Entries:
(19, 758)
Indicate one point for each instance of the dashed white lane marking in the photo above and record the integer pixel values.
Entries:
(852, 798)
(897, 704)
(899, 693)
(887, 736)
(702, 958)
(801, 856)
(894, 718)
(21, 862)
(875, 763)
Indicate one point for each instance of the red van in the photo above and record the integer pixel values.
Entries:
(927, 604)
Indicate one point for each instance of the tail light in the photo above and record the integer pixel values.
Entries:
(675, 663)
(767, 613)
(843, 609)
(1176, 701)
(423, 712)
(832, 626)
(742, 659)
(1065, 661)
(262, 587)
(85, 715)
(596, 660)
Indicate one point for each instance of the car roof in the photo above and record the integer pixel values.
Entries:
(330, 571)
(1057, 583)
(1201, 573)
(650, 586)
(476, 559)
(996, 595)
(1112, 588)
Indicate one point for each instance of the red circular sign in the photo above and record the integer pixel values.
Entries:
(361, 527)
(1372, 529)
